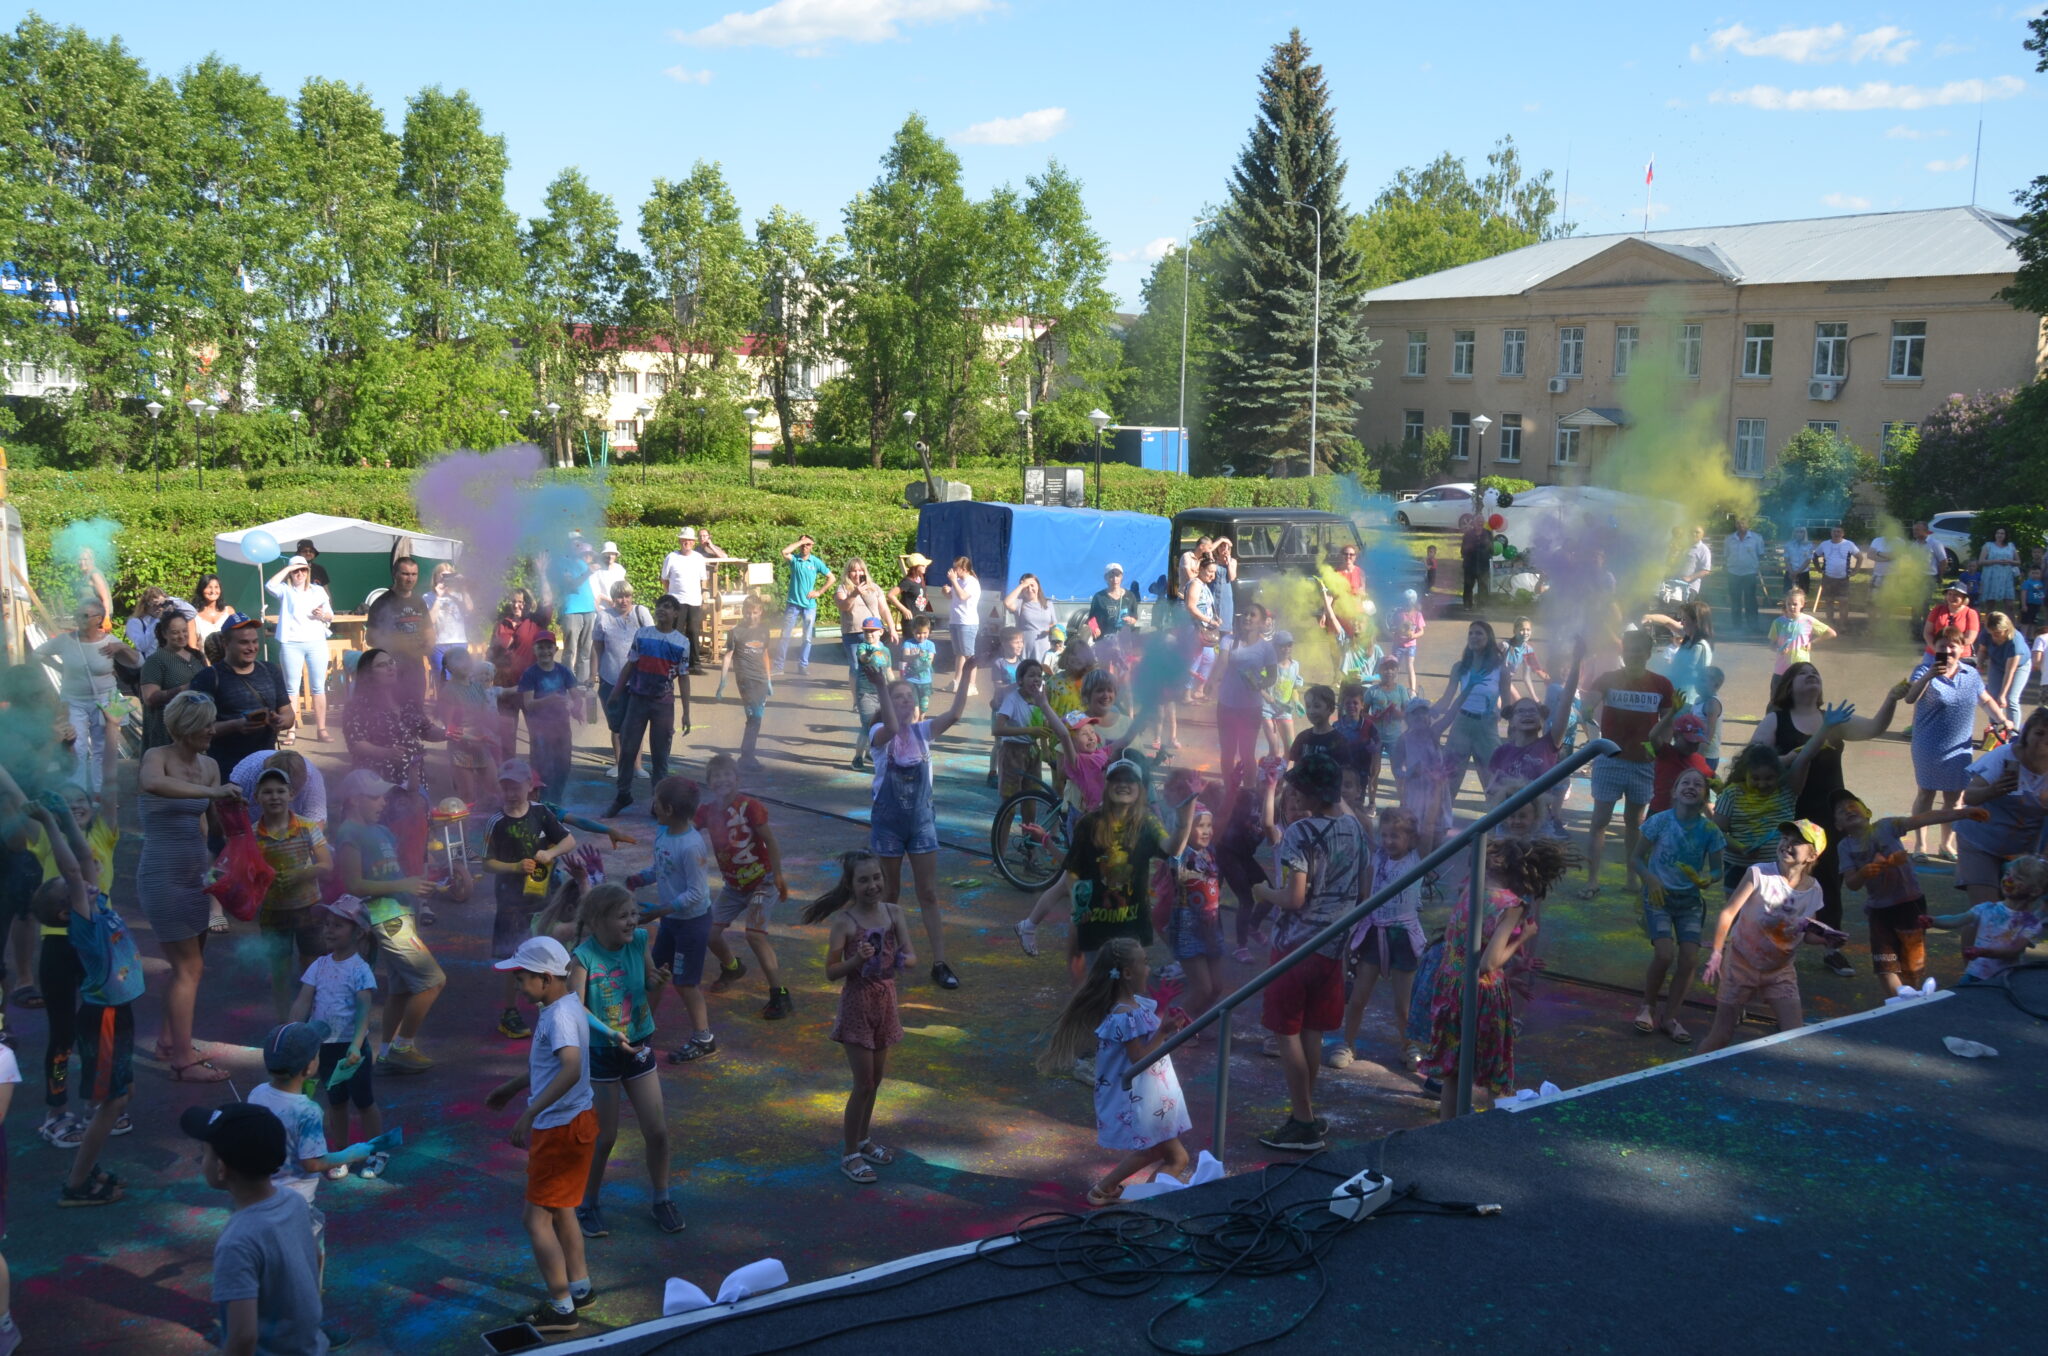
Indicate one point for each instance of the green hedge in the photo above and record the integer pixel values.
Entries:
(167, 536)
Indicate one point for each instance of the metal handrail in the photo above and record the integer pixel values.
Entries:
(1474, 837)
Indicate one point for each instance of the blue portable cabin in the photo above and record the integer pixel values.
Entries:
(1066, 548)
(1150, 448)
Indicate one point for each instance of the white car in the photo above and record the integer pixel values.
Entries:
(1438, 507)
(1952, 529)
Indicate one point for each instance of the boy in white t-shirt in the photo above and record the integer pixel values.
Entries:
(335, 994)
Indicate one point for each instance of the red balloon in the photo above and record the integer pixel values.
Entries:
(1496, 522)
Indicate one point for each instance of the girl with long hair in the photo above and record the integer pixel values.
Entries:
(870, 942)
(1471, 704)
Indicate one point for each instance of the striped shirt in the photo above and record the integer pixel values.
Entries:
(655, 658)
(291, 849)
(1753, 820)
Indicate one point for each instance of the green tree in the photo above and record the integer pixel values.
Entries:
(462, 254)
(1439, 216)
(2029, 291)
(581, 290)
(791, 266)
(1071, 363)
(1988, 450)
(705, 300)
(1815, 478)
(1267, 301)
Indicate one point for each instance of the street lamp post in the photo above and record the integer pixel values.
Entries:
(1023, 451)
(1101, 422)
(1315, 350)
(296, 416)
(156, 456)
(555, 433)
(196, 407)
(752, 414)
(639, 436)
(213, 421)
(1187, 256)
(1480, 423)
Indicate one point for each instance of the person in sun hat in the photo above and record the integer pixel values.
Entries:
(606, 573)
(266, 1265)
(683, 575)
(558, 1129)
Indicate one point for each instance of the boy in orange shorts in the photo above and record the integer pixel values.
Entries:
(558, 1129)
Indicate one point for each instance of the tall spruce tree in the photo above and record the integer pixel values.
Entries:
(1266, 307)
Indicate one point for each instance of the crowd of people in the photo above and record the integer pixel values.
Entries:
(1332, 775)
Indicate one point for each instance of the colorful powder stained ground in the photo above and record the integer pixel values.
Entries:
(422, 1260)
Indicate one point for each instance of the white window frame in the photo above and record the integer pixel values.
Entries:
(1752, 438)
(1627, 339)
(593, 383)
(627, 383)
(1692, 339)
(1571, 350)
(1414, 426)
(1569, 438)
(1909, 352)
(1759, 338)
(1833, 426)
(657, 383)
(1461, 436)
(1509, 452)
(1514, 353)
(1418, 354)
(1463, 343)
(1830, 350)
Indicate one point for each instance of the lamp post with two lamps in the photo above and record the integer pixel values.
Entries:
(1023, 451)
(1101, 422)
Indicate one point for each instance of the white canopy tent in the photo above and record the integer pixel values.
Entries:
(355, 552)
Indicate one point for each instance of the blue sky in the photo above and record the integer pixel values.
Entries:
(1754, 112)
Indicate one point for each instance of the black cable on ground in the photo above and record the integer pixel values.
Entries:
(2003, 984)
(1122, 1253)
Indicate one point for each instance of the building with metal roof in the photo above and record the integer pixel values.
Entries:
(1593, 358)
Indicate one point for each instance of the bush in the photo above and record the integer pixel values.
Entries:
(1984, 451)
(1505, 484)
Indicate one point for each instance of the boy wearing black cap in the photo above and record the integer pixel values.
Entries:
(266, 1270)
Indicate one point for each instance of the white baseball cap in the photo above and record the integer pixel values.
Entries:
(541, 955)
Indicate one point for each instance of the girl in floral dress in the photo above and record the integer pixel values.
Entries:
(870, 942)
(1147, 1119)
(1519, 870)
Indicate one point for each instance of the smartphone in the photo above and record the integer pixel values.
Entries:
(515, 1337)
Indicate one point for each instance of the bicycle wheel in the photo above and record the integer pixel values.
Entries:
(1029, 839)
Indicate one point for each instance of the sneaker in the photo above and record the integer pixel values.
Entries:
(337, 1172)
(1838, 964)
(693, 1050)
(727, 978)
(1270, 1047)
(779, 1005)
(584, 1300)
(122, 1125)
(943, 976)
(667, 1218)
(590, 1219)
(512, 1025)
(1432, 1088)
(1339, 1058)
(1294, 1137)
(374, 1166)
(1243, 955)
(547, 1318)
(406, 1061)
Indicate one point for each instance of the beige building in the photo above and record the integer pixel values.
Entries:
(1861, 324)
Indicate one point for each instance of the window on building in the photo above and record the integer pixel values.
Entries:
(628, 383)
(657, 384)
(1418, 354)
(1567, 445)
(623, 430)
(593, 383)
(1831, 349)
(1461, 436)
(1514, 352)
(1896, 435)
(1749, 447)
(1756, 349)
(1690, 340)
(1833, 426)
(1626, 338)
(1510, 438)
(1411, 426)
(1909, 349)
(1461, 353)
(1571, 351)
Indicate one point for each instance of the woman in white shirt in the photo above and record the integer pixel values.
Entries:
(963, 620)
(303, 612)
(210, 610)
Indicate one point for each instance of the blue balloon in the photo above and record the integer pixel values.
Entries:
(259, 547)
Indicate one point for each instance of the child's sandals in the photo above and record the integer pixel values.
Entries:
(1098, 1196)
(876, 1154)
(1027, 937)
(856, 1169)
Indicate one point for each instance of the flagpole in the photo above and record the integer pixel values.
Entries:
(1649, 183)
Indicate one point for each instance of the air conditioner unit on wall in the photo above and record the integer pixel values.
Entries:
(1823, 390)
(1558, 385)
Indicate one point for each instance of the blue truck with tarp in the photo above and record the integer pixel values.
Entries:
(1066, 548)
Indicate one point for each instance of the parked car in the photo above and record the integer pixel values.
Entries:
(1438, 507)
(1952, 529)
(1268, 542)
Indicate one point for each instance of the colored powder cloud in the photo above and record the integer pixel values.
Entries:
(504, 510)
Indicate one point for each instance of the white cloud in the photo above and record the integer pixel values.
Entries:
(1151, 252)
(1847, 202)
(1874, 94)
(1948, 166)
(683, 75)
(809, 25)
(1905, 133)
(1042, 124)
(1817, 45)
(1944, 49)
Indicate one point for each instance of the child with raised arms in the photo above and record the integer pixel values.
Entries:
(1678, 857)
(869, 944)
(1147, 1119)
(1771, 912)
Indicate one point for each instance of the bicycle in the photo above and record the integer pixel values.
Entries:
(1029, 837)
